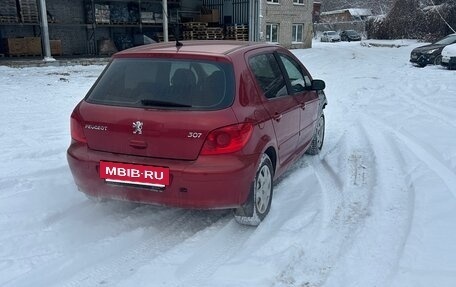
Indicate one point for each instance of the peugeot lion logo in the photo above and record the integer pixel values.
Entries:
(137, 126)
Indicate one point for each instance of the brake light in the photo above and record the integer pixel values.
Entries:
(77, 133)
(227, 139)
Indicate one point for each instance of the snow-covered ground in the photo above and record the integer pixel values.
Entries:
(376, 208)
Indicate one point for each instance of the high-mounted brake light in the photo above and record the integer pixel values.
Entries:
(227, 139)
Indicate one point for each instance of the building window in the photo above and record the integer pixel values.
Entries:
(297, 33)
(273, 1)
(272, 33)
(298, 2)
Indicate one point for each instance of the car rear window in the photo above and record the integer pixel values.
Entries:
(165, 84)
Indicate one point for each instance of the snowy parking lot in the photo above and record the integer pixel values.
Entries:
(376, 208)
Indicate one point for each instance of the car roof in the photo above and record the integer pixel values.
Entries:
(201, 47)
(449, 36)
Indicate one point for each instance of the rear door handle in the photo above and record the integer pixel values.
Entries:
(278, 117)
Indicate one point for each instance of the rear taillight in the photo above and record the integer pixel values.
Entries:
(77, 133)
(227, 139)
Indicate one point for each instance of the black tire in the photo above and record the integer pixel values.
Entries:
(318, 137)
(422, 62)
(258, 203)
(438, 60)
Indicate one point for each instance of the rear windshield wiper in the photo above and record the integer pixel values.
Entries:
(163, 104)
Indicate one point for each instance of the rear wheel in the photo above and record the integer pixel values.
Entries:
(258, 203)
(438, 60)
(318, 137)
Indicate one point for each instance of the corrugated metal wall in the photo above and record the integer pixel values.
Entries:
(240, 9)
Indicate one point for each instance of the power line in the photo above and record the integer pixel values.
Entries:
(438, 12)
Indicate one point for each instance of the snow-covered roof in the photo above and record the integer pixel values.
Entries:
(353, 11)
(360, 12)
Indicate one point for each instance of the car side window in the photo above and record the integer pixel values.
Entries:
(297, 79)
(268, 75)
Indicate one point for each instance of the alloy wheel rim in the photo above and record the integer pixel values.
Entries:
(263, 189)
(438, 60)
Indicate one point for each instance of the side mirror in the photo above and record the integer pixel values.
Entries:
(318, 85)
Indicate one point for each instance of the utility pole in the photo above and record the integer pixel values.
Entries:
(165, 20)
(45, 33)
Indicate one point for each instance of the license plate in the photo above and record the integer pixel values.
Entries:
(126, 173)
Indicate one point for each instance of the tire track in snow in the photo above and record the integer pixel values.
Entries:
(219, 249)
(379, 242)
(239, 246)
(106, 266)
(428, 108)
(438, 166)
(345, 175)
(140, 255)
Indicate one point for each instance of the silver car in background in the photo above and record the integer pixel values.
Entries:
(330, 36)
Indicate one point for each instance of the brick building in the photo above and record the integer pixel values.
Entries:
(288, 22)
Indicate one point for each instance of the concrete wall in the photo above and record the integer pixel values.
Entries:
(286, 13)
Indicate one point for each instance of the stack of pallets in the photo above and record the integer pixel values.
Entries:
(195, 31)
(102, 14)
(29, 11)
(8, 12)
(120, 14)
(215, 33)
(237, 32)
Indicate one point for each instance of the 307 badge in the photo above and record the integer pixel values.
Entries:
(134, 174)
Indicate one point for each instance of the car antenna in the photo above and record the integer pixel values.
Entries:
(176, 30)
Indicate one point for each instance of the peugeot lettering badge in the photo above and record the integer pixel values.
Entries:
(137, 126)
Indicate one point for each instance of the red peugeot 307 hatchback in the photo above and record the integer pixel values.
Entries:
(209, 124)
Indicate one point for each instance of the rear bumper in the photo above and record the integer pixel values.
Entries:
(210, 182)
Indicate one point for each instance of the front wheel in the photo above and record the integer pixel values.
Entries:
(318, 137)
(258, 203)
(422, 62)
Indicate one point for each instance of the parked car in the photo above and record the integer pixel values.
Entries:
(432, 53)
(350, 35)
(330, 36)
(449, 56)
(210, 124)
